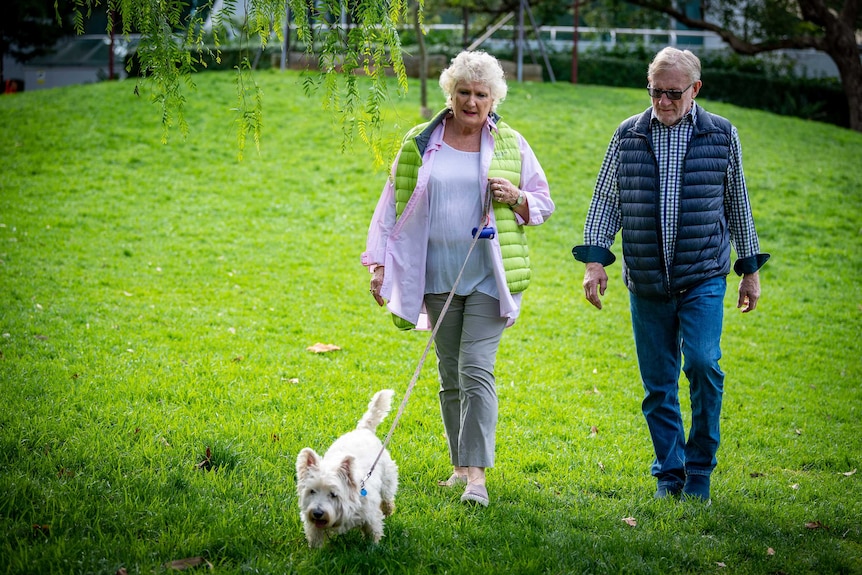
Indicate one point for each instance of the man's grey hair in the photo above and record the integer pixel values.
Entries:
(673, 58)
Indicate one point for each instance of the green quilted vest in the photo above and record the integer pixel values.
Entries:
(505, 163)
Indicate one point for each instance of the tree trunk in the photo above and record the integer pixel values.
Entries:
(465, 34)
(423, 65)
(839, 42)
(850, 68)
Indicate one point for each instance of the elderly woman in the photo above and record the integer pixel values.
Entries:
(462, 172)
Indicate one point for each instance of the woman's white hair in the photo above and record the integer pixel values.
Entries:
(475, 66)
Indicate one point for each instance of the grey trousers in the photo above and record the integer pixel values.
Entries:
(466, 346)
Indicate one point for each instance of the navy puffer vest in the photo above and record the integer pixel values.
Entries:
(702, 249)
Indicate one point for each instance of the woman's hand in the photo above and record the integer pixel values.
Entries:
(504, 191)
(376, 284)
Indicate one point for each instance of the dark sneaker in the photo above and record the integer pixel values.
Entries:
(666, 490)
(696, 487)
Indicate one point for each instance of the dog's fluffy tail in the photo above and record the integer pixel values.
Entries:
(378, 407)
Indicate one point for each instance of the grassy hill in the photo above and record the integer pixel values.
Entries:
(157, 302)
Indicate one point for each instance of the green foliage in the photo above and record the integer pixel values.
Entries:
(371, 47)
(174, 43)
(157, 300)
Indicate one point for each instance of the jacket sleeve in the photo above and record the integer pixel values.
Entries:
(535, 185)
(381, 224)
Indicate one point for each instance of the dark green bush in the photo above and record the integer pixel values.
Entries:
(752, 83)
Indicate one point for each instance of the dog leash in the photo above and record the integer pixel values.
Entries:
(484, 230)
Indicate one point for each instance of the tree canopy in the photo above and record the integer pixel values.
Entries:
(349, 38)
(756, 26)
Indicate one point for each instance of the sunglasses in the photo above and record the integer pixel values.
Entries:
(671, 94)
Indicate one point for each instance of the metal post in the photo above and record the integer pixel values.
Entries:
(575, 44)
(285, 51)
(521, 41)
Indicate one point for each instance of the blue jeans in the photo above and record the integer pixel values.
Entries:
(687, 326)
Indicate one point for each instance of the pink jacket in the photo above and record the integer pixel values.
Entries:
(400, 246)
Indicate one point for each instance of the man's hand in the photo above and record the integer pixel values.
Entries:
(595, 283)
(749, 292)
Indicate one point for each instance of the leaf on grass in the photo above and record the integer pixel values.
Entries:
(756, 474)
(594, 431)
(238, 359)
(794, 486)
(631, 521)
(121, 571)
(815, 525)
(770, 551)
(798, 431)
(188, 563)
(721, 564)
(848, 473)
(41, 529)
(602, 466)
(207, 462)
(322, 348)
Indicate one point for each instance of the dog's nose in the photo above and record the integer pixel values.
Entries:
(317, 514)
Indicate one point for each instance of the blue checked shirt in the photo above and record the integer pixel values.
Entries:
(604, 218)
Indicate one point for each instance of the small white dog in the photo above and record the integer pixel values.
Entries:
(330, 501)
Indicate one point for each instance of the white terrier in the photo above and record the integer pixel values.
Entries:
(330, 501)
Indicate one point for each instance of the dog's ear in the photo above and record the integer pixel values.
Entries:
(346, 468)
(307, 459)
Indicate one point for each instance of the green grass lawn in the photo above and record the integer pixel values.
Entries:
(157, 300)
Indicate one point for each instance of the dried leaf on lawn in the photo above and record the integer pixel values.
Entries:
(207, 462)
(188, 563)
(631, 521)
(322, 347)
(815, 525)
(848, 473)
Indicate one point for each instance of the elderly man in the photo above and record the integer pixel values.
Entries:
(672, 181)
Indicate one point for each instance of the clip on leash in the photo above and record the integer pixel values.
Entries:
(488, 232)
